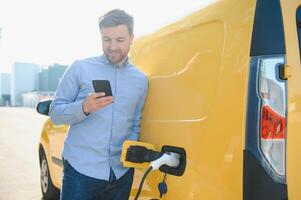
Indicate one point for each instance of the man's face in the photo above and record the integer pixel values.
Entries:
(116, 42)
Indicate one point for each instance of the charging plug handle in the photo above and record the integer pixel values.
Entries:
(141, 154)
(170, 159)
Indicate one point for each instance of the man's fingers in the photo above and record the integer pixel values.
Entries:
(108, 98)
(103, 103)
(96, 101)
(100, 94)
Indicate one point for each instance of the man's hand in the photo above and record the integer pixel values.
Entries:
(95, 101)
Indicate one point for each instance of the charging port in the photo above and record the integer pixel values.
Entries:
(180, 169)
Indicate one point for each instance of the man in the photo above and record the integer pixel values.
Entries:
(100, 124)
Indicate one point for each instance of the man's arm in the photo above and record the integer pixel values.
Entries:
(64, 109)
(135, 129)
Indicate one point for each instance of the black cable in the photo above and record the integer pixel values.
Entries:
(141, 154)
(142, 181)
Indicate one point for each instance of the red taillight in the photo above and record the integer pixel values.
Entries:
(273, 125)
(272, 129)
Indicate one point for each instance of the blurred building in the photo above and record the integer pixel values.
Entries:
(31, 83)
(5, 89)
(50, 77)
(48, 80)
(24, 79)
(31, 99)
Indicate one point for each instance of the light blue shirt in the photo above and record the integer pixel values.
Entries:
(94, 142)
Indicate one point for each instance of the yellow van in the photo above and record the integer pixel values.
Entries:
(225, 85)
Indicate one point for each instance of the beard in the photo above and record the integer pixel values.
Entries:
(115, 56)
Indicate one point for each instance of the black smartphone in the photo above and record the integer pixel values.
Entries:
(102, 86)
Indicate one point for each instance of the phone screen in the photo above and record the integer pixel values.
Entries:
(102, 86)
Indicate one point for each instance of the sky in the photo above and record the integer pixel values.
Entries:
(45, 32)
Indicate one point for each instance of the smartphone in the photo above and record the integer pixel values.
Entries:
(102, 86)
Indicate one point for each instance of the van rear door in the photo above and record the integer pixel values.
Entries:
(291, 12)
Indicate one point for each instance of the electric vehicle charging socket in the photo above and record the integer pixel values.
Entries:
(140, 155)
(180, 169)
(171, 160)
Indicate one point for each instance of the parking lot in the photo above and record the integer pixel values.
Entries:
(19, 134)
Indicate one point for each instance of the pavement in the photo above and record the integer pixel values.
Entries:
(20, 129)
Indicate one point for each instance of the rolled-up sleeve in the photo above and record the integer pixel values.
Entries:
(135, 129)
(64, 108)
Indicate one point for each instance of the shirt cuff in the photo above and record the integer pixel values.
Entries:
(133, 137)
(78, 110)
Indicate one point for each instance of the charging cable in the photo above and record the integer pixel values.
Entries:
(168, 158)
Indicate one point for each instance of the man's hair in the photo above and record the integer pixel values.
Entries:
(117, 17)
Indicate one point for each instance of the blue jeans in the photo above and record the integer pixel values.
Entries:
(77, 186)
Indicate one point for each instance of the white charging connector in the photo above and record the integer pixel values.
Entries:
(168, 158)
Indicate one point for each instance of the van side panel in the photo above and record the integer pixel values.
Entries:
(45, 144)
(289, 9)
(198, 75)
(57, 134)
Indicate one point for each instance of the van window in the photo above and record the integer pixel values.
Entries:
(298, 21)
